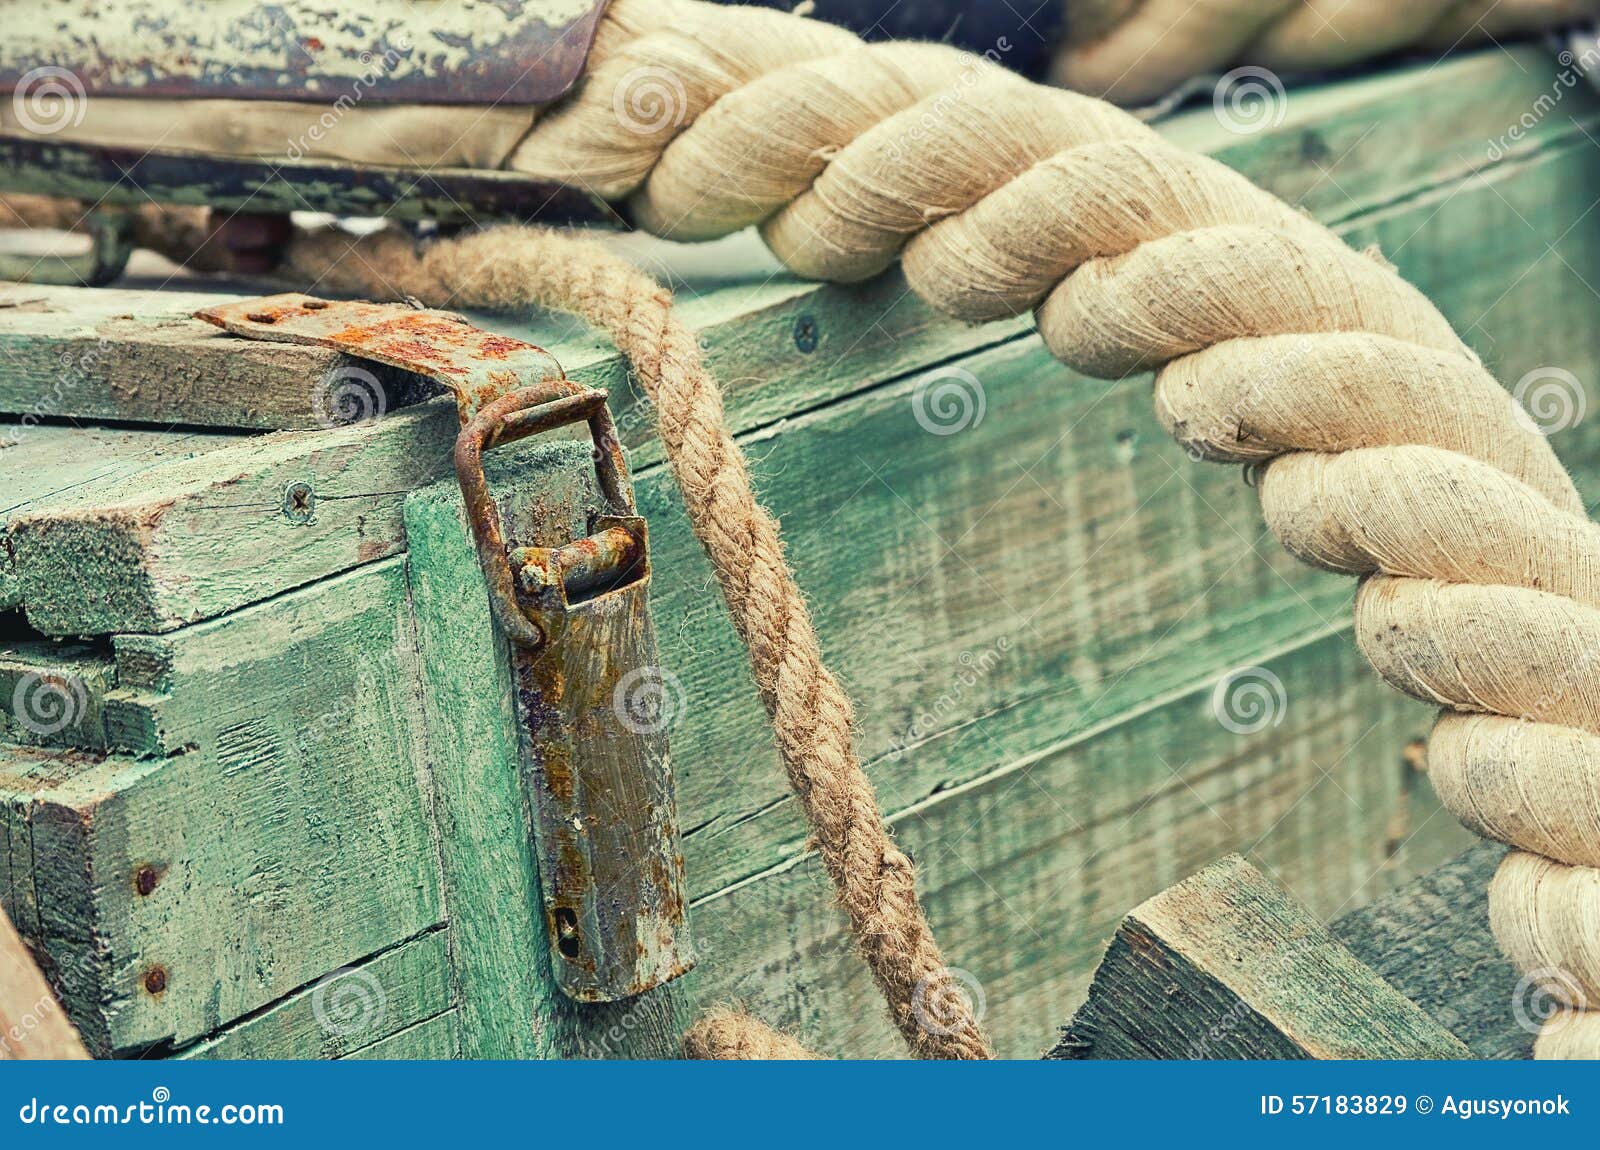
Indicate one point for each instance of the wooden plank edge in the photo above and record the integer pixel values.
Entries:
(1226, 964)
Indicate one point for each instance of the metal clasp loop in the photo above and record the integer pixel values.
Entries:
(517, 416)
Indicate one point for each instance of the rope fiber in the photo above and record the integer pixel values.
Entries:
(1135, 51)
(1384, 448)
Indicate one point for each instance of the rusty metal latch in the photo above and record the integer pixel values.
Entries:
(576, 618)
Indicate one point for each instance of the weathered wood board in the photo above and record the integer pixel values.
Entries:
(1430, 940)
(1027, 870)
(1227, 964)
(1272, 983)
(1033, 615)
(141, 356)
(267, 778)
(44, 463)
(350, 1011)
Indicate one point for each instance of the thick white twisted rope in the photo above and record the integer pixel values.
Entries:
(1388, 451)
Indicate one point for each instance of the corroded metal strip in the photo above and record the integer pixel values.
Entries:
(596, 764)
(595, 757)
(599, 772)
(382, 51)
(474, 365)
(126, 176)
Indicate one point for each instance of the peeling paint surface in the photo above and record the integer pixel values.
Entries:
(463, 52)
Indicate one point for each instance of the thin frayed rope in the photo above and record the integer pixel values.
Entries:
(1384, 448)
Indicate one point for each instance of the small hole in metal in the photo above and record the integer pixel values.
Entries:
(567, 932)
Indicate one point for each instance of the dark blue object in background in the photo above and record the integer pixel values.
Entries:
(1030, 27)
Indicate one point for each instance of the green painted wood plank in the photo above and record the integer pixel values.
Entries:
(285, 817)
(187, 541)
(1026, 872)
(1071, 817)
(433, 1039)
(510, 1006)
(1226, 964)
(1033, 576)
(324, 667)
(1386, 135)
(1430, 939)
(116, 354)
(24, 770)
(44, 462)
(346, 1011)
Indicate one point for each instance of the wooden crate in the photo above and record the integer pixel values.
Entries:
(285, 820)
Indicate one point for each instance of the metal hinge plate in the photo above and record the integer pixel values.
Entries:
(577, 621)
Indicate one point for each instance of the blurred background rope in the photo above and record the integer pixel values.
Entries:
(1135, 51)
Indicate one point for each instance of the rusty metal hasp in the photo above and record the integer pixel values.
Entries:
(581, 643)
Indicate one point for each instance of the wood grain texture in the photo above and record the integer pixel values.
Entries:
(186, 541)
(32, 1023)
(1430, 940)
(280, 829)
(1227, 964)
(114, 354)
(47, 462)
(431, 1039)
(347, 1011)
(1027, 870)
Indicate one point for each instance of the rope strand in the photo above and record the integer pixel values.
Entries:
(1386, 450)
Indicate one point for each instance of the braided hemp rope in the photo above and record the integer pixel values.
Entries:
(1388, 451)
(1134, 51)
